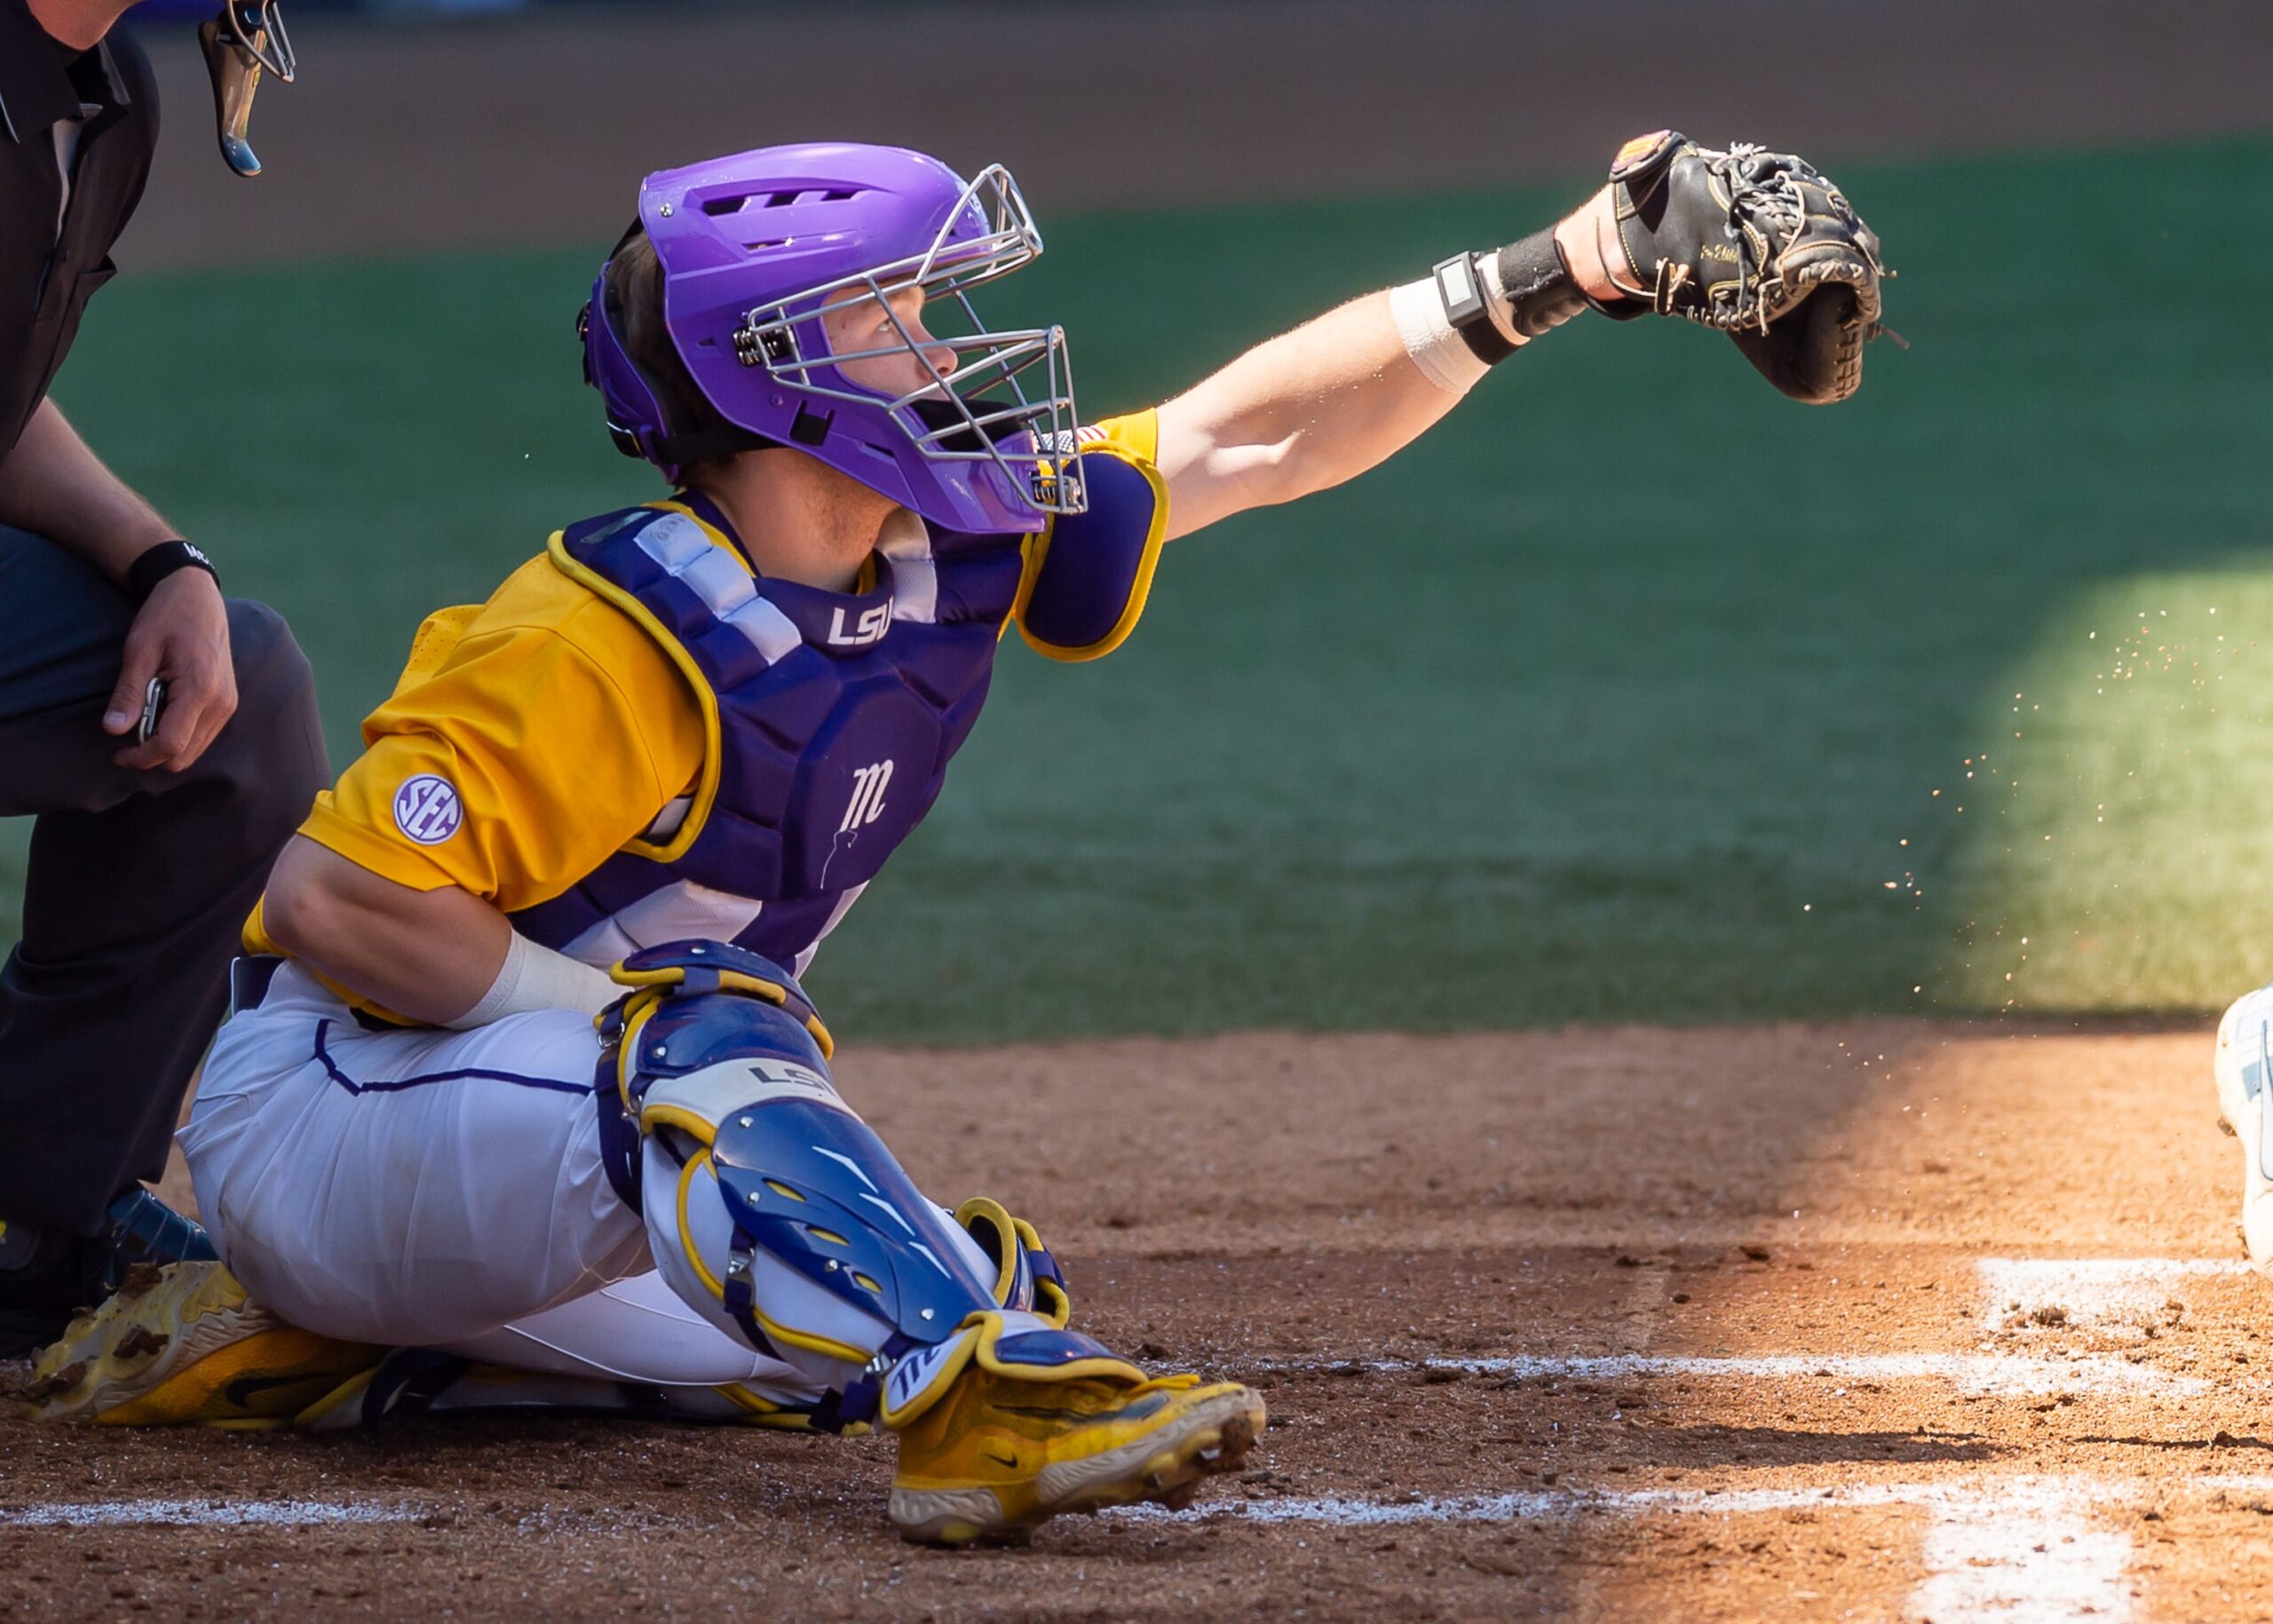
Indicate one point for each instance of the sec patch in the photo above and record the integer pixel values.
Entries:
(427, 809)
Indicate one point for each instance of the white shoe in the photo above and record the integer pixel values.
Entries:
(2244, 1067)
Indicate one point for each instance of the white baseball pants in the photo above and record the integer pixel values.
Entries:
(439, 1189)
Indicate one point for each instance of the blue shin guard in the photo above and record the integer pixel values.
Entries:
(779, 1215)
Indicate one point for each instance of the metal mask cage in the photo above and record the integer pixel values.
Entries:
(258, 27)
(989, 408)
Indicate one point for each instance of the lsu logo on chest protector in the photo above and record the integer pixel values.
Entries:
(869, 628)
(427, 809)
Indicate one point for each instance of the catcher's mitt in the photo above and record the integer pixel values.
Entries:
(1756, 243)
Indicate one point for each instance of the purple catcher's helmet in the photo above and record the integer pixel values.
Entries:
(754, 246)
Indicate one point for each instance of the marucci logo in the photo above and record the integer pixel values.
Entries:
(867, 802)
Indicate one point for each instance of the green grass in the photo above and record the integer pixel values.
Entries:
(2120, 860)
(1613, 700)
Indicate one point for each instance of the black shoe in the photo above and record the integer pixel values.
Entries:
(47, 1275)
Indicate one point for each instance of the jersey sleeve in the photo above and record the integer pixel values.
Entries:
(1136, 435)
(520, 764)
(1087, 575)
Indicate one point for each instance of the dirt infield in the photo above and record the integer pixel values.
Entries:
(1876, 1320)
(537, 130)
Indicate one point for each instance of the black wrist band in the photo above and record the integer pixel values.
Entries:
(1467, 307)
(1541, 292)
(156, 563)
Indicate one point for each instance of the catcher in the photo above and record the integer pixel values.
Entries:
(521, 1100)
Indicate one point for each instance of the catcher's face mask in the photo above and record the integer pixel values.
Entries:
(244, 41)
(960, 392)
(820, 296)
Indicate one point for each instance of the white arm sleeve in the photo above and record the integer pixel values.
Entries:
(1432, 341)
(534, 978)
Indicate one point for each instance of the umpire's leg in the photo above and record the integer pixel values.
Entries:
(137, 884)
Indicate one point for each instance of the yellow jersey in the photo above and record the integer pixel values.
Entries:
(563, 727)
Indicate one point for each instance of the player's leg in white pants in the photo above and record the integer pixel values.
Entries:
(446, 1190)
(470, 1196)
(405, 1188)
(632, 1345)
(475, 1192)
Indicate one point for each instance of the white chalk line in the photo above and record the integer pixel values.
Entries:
(2096, 1293)
(1972, 1372)
(1454, 1508)
(2029, 1558)
(203, 1514)
(2048, 1493)
(2107, 1292)
(2023, 1549)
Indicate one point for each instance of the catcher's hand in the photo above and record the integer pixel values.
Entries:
(1756, 243)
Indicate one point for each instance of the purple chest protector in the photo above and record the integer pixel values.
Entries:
(835, 716)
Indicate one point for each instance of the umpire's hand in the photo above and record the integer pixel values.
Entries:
(180, 634)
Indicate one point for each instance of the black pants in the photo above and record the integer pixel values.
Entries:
(137, 884)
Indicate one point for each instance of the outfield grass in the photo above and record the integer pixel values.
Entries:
(1614, 700)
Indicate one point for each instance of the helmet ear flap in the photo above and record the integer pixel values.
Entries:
(636, 410)
(646, 418)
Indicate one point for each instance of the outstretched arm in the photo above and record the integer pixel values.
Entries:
(1758, 244)
(1322, 404)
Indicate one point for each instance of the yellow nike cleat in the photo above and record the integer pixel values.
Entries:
(187, 1346)
(998, 1456)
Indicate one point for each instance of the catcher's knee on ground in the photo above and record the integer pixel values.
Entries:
(776, 1213)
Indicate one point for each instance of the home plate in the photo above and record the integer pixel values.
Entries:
(2094, 1293)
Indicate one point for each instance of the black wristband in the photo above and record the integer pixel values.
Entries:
(1467, 307)
(1541, 292)
(156, 563)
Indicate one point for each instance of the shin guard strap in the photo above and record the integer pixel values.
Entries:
(691, 969)
(620, 1157)
(1024, 1347)
(740, 1300)
(1027, 1276)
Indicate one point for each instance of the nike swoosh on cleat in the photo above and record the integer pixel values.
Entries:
(999, 1456)
(242, 1392)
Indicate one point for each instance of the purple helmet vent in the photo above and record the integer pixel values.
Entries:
(764, 253)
